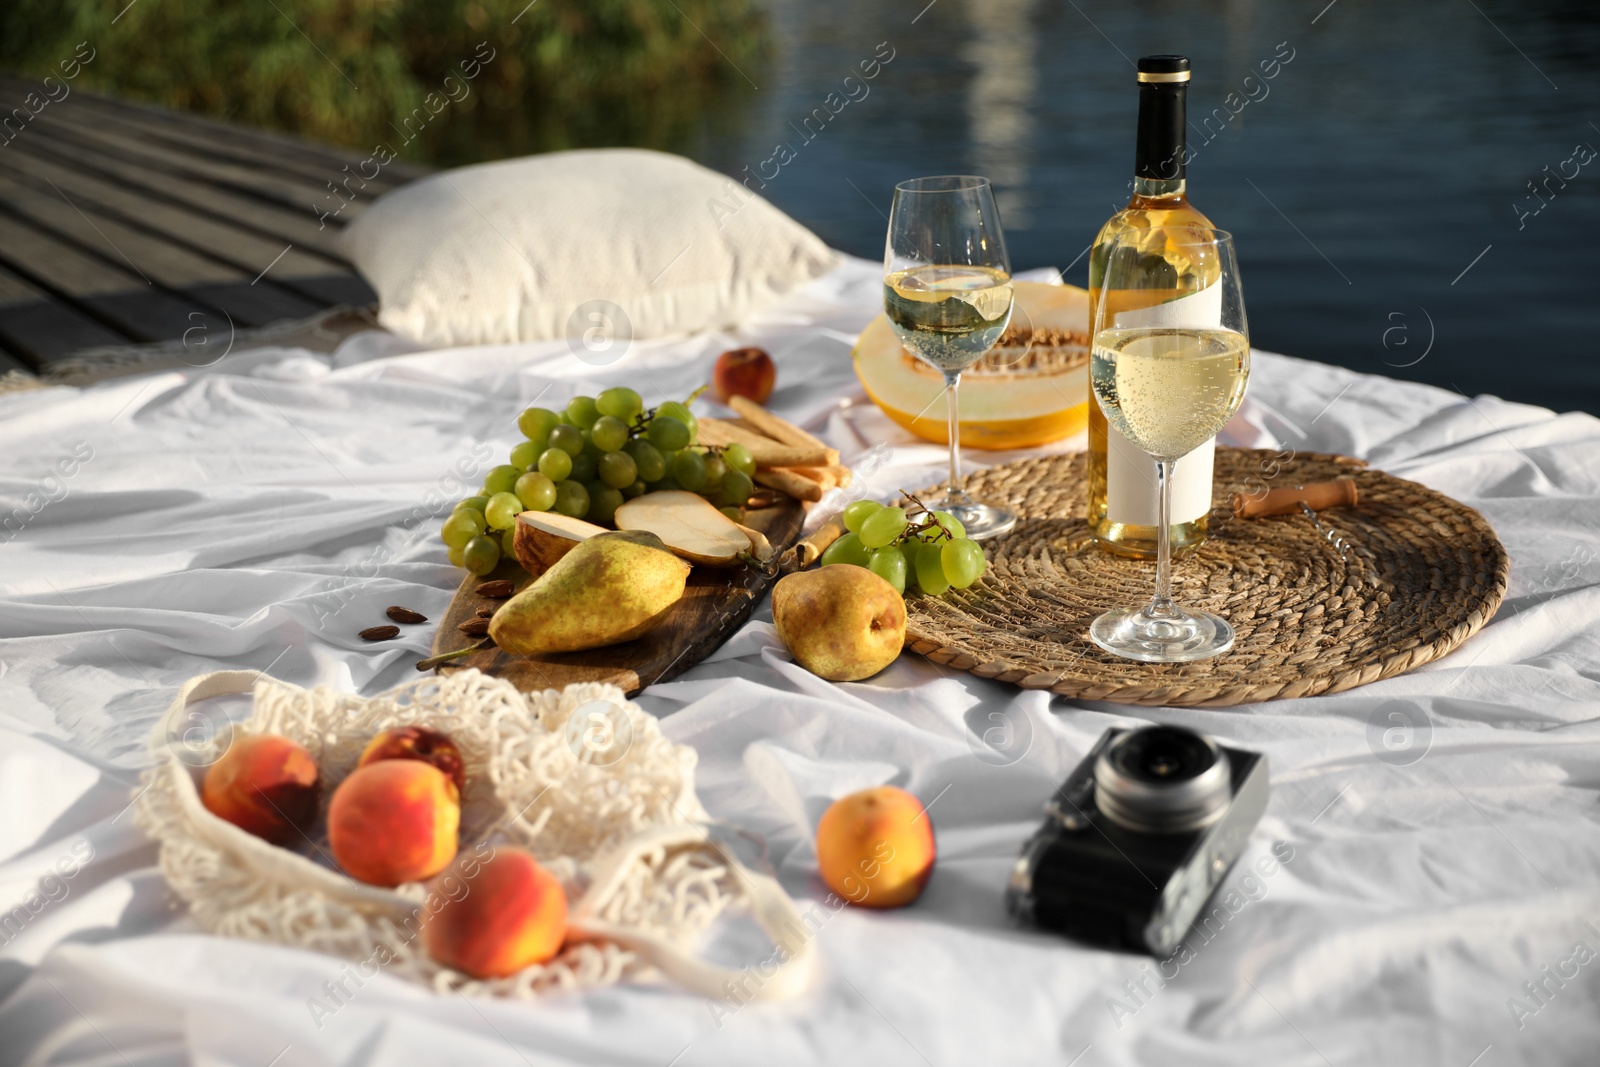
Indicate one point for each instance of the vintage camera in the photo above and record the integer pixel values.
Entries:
(1137, 838)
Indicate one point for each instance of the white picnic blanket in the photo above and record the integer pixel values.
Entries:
(1440, 905)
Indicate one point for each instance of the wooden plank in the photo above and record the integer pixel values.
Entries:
(305, 195)
(39, 329)
(166, 265)
(716, 602)
(301, 271)
(118, 299)
(13, 361)
(172, 216)
(293, 180)
(296, 160)
(271, 221)
(270, 146)
(126, 224)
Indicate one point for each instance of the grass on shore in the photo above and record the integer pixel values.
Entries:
(563, 73)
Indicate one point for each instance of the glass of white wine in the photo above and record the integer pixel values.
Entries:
(1169, 364)
(947, 291)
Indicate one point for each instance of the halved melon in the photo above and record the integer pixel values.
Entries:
(1030, 389)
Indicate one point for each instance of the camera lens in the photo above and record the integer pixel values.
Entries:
(1162, 779)
(1163, 754)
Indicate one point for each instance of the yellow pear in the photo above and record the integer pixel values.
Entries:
(608, 589)
(842, 622)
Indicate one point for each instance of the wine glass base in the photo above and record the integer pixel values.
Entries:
(979, 520)
(1181, 637)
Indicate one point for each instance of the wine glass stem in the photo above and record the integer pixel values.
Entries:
(1161, 605)
(952, 398)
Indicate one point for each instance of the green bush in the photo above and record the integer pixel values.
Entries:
(565, 73)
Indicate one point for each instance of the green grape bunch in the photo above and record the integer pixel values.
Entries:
(929, 551)
(585, 460)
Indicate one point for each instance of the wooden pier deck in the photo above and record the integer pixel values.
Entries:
(127, 225)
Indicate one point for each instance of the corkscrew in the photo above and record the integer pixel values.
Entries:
(1309, 499)
(1343, 546)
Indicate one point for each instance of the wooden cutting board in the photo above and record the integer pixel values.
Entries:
(715, 603)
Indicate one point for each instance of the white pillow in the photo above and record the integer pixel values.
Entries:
(543, 246)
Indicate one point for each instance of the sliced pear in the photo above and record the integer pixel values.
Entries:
(760, 547)
(543, 537)
(688, 524)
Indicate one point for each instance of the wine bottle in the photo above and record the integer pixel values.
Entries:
(1122, 476)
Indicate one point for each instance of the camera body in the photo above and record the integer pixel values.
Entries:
(1138, 837)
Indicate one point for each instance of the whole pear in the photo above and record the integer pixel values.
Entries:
(610, 588)
(842, 622)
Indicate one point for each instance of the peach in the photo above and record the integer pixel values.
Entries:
(394, 821)
(418, 742)
(266, 785)
(513, 915)
(875, 848)
(747, 372)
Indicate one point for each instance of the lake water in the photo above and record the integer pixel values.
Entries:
(1411, 191)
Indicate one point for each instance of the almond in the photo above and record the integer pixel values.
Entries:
(399, 614)
(379, 633)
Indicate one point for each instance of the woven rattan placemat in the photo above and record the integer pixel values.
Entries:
(1420, 574)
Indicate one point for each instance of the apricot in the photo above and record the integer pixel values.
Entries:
(512, 915)
(875, 848)
(394, 821)
(266, 785)
(420, 743)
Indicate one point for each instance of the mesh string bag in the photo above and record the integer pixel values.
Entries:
(580, 777)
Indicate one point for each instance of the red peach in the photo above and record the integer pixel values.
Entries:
(513, 915)
(747, 372)
(394, 821)
(421, 743)
(266, 785)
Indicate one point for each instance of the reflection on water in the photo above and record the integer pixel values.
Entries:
(1000, 101)
(1407, 188)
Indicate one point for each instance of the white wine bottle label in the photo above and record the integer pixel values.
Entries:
(1131, 482)
(1130, 470)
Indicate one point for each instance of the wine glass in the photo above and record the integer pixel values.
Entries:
(947, 291)
(1168, 366)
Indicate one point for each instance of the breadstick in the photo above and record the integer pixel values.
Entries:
(763, 498)
(724, 432)
(820, 475)
(830, 476)
(779, 429)
(809, 550)
(766, 452)
(796, 485)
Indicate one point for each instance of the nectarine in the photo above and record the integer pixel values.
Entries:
(513, 915)
(746, 372)
(421, 743)
(875, 848)
(266, 785)
(394, 821)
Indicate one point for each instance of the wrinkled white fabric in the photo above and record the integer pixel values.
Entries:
(260, 514)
